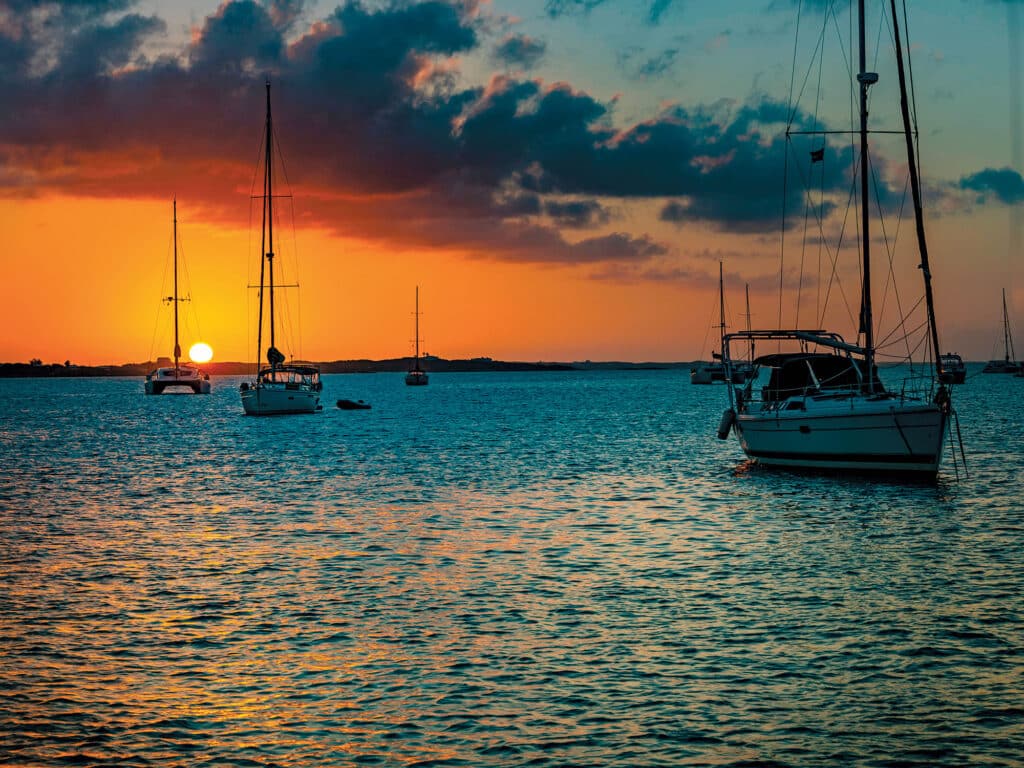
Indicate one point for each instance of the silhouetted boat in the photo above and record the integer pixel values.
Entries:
(704, 372)
(1009, 362)
(353, 405)
(179, 375)
(416, 375)
(823, 406)
(953, 369)
(280, 387)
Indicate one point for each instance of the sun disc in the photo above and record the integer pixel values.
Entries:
(200, 352)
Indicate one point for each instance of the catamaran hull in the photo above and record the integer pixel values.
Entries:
(170, 378)
(907, 440)
(264, 401)
(159, 387)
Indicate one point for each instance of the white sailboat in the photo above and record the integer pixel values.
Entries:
(713, 372)
(180, 375)
(1009, 363)
(704, 372)
(823, 405)
(279, 387)
(417, 377)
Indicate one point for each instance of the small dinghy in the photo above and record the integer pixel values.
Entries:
(353, 405)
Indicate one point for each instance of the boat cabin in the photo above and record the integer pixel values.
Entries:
(803, 374)
(291, 377)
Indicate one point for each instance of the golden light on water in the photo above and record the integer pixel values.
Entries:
(200, 352)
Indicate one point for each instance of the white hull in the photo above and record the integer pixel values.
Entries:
(163, 379)
(854, 434)
(262, 400)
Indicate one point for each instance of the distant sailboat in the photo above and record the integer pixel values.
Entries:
(823, 405)
(180, 375)
(1009, 362)
(714, 372)
(417, 377)
(280, 387)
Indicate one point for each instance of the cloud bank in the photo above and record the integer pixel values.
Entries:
(380, 139)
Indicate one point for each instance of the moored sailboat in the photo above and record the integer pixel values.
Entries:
(280, 387)
(704, 372)
(1009, 363)
(823, 405)
(417, 377)
(180, 375)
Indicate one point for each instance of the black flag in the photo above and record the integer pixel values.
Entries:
(817, 155)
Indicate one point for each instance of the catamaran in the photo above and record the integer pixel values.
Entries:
(416, 375)
(180, 375)
(280, 387)
(818, 402)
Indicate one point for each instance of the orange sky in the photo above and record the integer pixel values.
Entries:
(92, 290)
(84, 281)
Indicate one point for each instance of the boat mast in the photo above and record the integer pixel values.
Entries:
(721, 312)
(866, 79)
(915, 188)
(417, 327)
(1007, 338)
(746, 288)
(272, 353)
(177, 347)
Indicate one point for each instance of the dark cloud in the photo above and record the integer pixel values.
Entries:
(520, 51)
(658, 9)
(102, 48)
(380, 139)
(660, 64)
(1004, 183)
(563, 7)
(555, 8)
(637, 64)
(79, 8)
(576, 214)
(241, 35)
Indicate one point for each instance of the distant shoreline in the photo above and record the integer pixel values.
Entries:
(395, 365)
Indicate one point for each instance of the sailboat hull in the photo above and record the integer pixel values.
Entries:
(275, 401)
(858, 434)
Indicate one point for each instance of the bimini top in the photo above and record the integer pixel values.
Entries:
(799, 374)
(302, 370)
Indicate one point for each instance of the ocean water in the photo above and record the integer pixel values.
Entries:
(528, 569)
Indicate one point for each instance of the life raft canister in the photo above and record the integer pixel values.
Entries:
(728, 419)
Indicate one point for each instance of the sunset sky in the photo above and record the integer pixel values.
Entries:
(560, 177)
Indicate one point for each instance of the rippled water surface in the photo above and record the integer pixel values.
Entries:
(551, 569)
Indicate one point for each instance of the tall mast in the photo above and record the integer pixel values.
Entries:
(721, 312)
(746, 289)
(865, 79)
(177, 347)
(915, 188)
(417, 327)
(269, 208)
(1006, 329)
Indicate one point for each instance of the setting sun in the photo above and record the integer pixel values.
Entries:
(200, 352)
